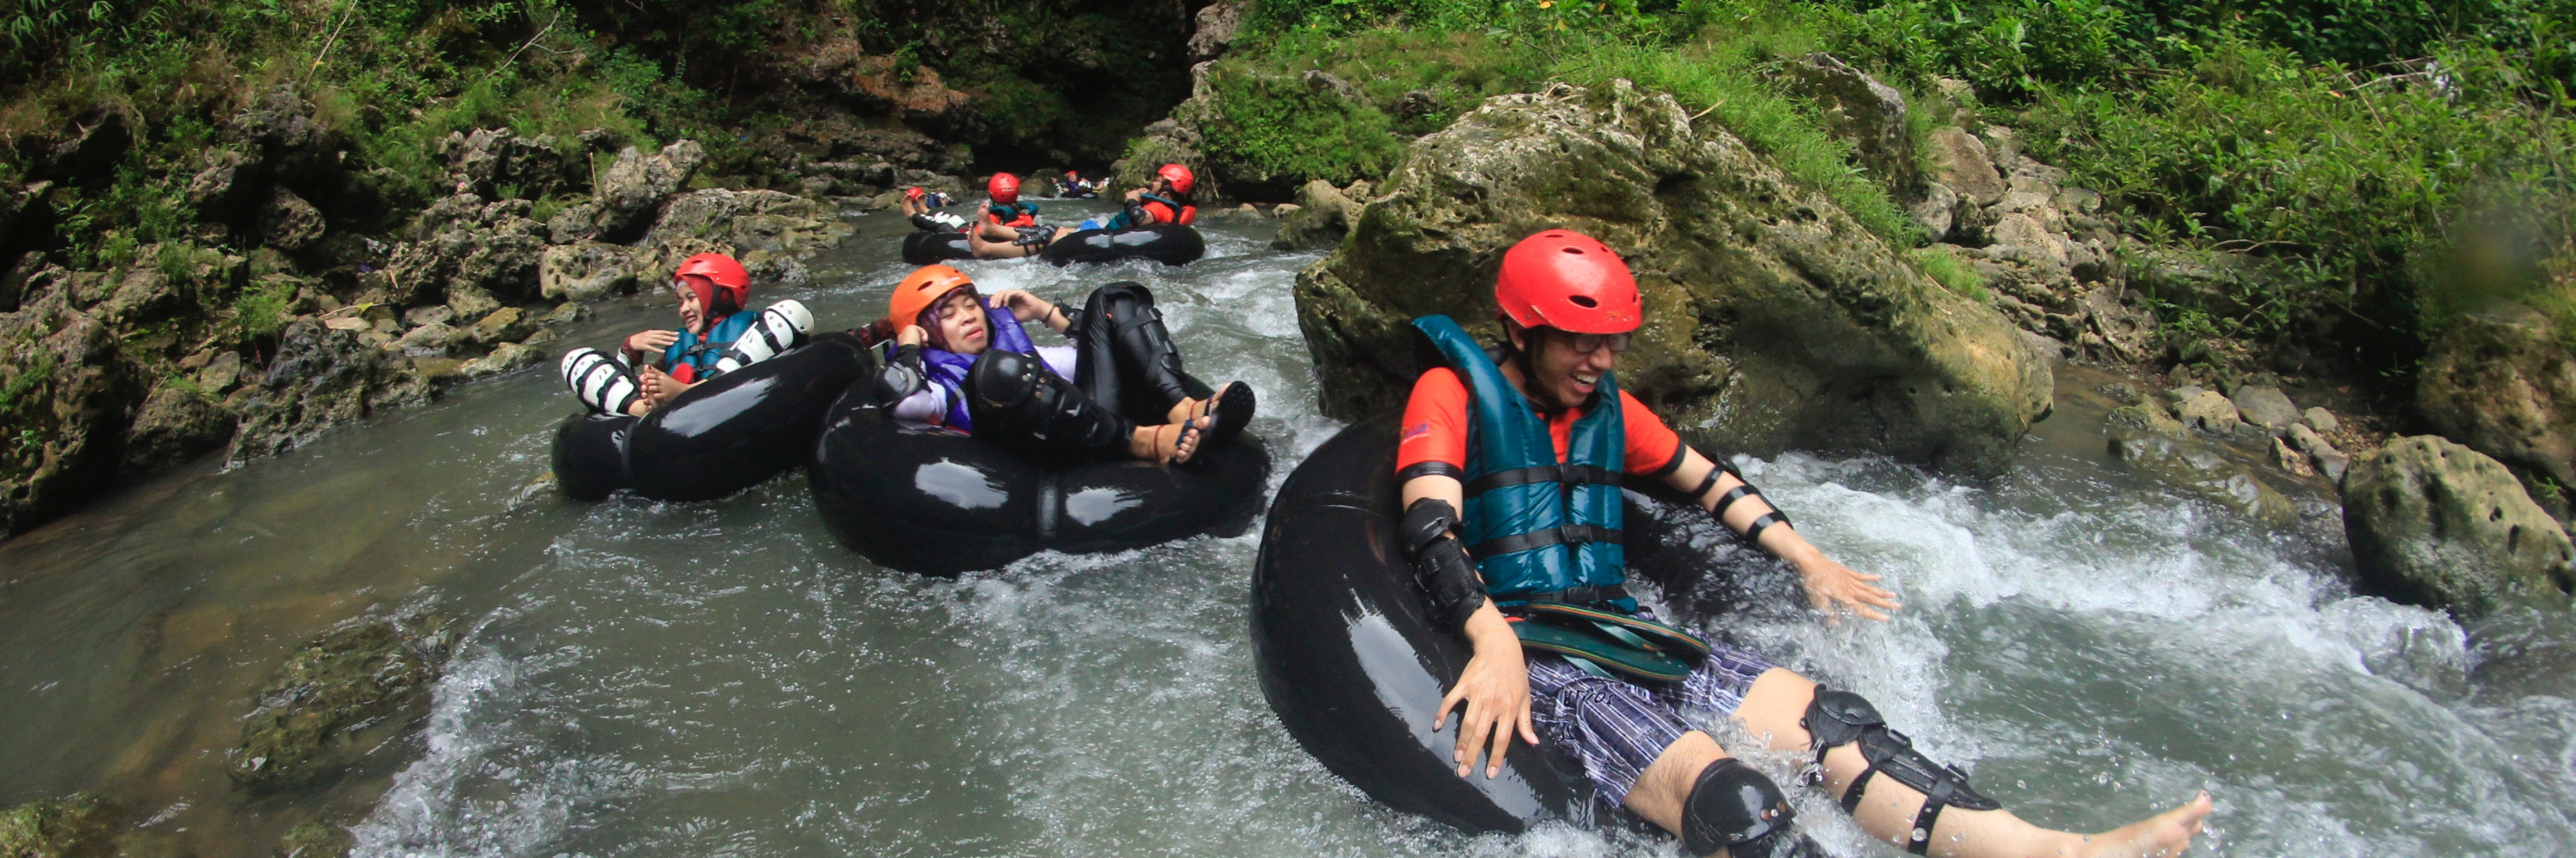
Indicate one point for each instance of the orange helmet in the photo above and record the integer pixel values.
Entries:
(1569, 281)
(1180, 176)
(721, 283)
(924, 289)
(1004, 188)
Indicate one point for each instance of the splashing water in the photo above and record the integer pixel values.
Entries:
(721, 678)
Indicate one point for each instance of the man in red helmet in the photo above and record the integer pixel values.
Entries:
(1511, 462)
(1004, 208)
(715, 337)
(1165, 200)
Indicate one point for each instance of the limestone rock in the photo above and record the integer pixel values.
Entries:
(430, 340)
(585, 271)
(2190, 465)
(321, 377)
(471, 246)
(289, 223)
(220, 372)
(504, 358)
(1959, 160)
(1936, 211)
(2317, 418)
(507, 323)
(1216, 25)
(489, 159)
(175, 424)
(1773, 319)
(2265, 406)
(371, 673)
(428, 314)
(2290, 459)
(1323, 214)
(2208, 411)
(63, 363)
(221, 174)
(2441, 524)
(767, 231)
(635, 185)
(1858, 108)
(2501, 383)
(2330, 461)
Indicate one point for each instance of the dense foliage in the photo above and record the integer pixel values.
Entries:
(2388, 164)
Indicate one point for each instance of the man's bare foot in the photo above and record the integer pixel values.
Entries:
(1188, 407)
(2163, 835)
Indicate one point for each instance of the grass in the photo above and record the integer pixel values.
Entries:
(1946, 268)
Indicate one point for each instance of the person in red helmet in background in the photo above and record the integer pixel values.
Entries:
(715, 337)
(1004, 207)
(1510, 463)
(922, 207)
(1078, 188)
(1164, 200)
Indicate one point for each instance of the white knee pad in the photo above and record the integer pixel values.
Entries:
(780, 327)
(600, 381)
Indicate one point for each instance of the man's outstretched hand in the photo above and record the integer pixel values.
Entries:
(1495, 689)
(1832, 586)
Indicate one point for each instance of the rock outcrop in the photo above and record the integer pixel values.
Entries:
(1322, 215)
(2501, 383)
(2440, 524)
(1774, 319)
(74, 827)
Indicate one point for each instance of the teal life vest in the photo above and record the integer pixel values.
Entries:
(693, 358)
(1541, 531)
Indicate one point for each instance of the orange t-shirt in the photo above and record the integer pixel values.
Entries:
(1436, 419)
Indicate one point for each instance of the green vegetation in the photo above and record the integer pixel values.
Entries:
(1953, 273)
(2387, 164)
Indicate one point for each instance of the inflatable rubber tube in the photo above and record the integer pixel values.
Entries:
(1356, 670)
(939, 503)
(717, 438)
(924, 247)
(1164, 243)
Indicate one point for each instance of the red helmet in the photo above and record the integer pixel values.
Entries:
(720, 282)
(1566, 280)
(1180, 177)
(1004, 188)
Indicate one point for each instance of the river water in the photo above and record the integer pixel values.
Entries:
(721, 678)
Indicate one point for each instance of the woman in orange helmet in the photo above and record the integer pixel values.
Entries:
(714, 337)
(963, 362)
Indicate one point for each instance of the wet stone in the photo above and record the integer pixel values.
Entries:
(2320, 419)
(2209, 412)
(318, 711)
(2265, 406)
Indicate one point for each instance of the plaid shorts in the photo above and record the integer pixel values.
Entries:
(1618, 727)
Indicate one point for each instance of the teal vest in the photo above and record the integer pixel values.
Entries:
(701, 353)
(1537, 528)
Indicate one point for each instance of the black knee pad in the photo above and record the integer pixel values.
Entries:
(1004, 382)
(1838, 718)
(1028, 404)
(1735, 808)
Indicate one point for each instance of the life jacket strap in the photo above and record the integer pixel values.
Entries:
(1542, 538)
(1569, 475)
(1585, 595)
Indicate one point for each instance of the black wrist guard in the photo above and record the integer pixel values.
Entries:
(901, 377)
(1456, 591)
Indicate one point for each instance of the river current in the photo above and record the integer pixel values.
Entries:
(645, 679)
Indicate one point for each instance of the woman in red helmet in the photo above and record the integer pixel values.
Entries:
(963, 362)
(1510, 466)
(714, 337)
(1165, 200)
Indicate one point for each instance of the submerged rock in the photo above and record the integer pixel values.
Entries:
(1774, 319)
(2439, 524)
(322, 377)
(312, 712)
(2154, 444)
(74, 827)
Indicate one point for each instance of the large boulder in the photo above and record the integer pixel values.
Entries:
(1774, 320)
(635, 185)
(367, 677)
(469, 250)
(1859, 109)
(2502, 383)
(74, 827)
(1323, 214)
(323, 376)
(586, 270)
(767, 230)
(2440, 524)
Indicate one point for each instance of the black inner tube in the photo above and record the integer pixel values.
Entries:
(923, 247)
(1355, 669)
(1165, 243)
(716, 438)
(939, 503)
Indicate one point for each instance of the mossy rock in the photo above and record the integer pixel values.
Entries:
(332, 701)
(1774, 320)
(2438, 524)
(316, 840)
(74, 827)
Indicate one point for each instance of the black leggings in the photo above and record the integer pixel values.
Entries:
(1127, 374)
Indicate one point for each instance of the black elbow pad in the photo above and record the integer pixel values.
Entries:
(901, 376)
(1456, 591)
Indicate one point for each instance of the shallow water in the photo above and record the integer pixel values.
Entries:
(721, 678)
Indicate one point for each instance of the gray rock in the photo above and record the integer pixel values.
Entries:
(219, 179)
(361, 681)
(1882, 358)
(1323, 214)
(1936, 211)
(2330, 461)
(2444, 525)
(586, 271)
(1958, 159)
(2501, 382)
(2318, 418)
(635, 185)
(468, 246)
(430, 340)
(2210, 412)
(507, 323)
(428, 314)
(504, 358)
(289, 223)
(1859, 109)
(2192, 466)
(320, 378)
(221, 372)
(174, 425)
(2266, 407)
(1216, 26)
